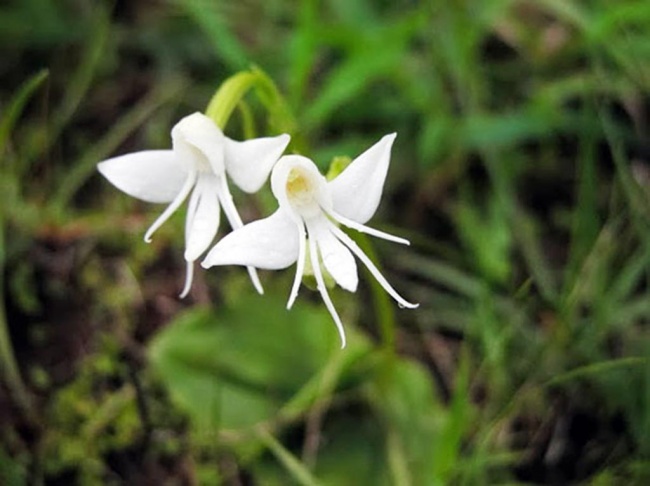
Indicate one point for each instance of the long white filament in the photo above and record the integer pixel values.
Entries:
(300, 265)
(189, 276)
(235, 222)
(189, 221)
(323, 289)
(347, 241)
(366, 229)
(173, 206)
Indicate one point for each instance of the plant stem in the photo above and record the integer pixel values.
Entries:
(384, 311)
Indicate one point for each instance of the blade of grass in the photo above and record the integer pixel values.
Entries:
(17, 104)
(447, 448)
(7, 355)
(596, 368)
(226, 46)
(76, 89)
(84, 167)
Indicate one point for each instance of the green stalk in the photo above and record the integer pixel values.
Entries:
(299, 473)
(231, 92)
(228, 96)
(384, 310)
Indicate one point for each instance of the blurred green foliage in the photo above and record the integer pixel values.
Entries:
(520, 174)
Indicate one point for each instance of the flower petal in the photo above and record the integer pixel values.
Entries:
(336, 258)
(357, 190)
(189, 276)
(199, 142)
(322, 289)
(249, 163)
(173, 206)
(366, 229)
(155, 176)
(203, 214)
(347, 241)
(270, 243)
(300, 265)
(235, 223)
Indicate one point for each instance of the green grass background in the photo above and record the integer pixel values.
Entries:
(520, 174)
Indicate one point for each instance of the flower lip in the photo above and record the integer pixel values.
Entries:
(299, 187)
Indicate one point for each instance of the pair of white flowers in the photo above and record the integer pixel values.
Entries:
(304, 226)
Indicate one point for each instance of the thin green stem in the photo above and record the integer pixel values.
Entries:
(384, 310)
(228, 96)
(292, 464)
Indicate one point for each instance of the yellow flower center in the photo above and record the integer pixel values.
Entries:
(300, 189)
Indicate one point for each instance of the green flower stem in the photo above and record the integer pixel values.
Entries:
(384, 310)
(231, 93)
(228, 96)
(300, 474)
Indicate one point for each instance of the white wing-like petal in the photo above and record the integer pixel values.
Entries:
(202, 220)
(249, 163)
(155, 176)
(357, 190)
(322, 289)
(337, 259)
(198, 140)
(270, 243)
(235, 223)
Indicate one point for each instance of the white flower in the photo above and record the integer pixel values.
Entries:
(198, 163)
(309, 209)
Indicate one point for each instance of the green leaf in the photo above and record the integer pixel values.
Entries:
(236, 367)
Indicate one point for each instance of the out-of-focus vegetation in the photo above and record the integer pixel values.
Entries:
(520, 174)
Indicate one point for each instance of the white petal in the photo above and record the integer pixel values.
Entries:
(199, 142)
(357, 190)
(203, 214)
(322, 288)
(189, 276)
(235, 223)
(270, 243)
(371, 267)
(155, 176)
(367, 229)
(249, 163)
(300, 265)
(337, 259)
(173, 206)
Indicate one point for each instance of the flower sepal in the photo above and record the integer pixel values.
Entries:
(309, 277)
